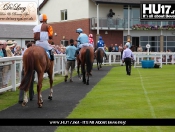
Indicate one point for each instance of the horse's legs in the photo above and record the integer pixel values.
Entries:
(51, 82)
(83, 71)
(25, 100)
(98, 65)
(87, 82)
(78, 68)
(39, 86)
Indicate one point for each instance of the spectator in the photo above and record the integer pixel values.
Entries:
(120, 48)
(22, 50)
(129, 43)
(116, 47)
(7, 68)
(11, 45)
(140, 49)
(110, 48)
(18, 51)
(110, 16)
(70, 56)
(105, 48)
(114, 56)
(2, 54)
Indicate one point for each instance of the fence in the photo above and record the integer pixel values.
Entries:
(15, 64)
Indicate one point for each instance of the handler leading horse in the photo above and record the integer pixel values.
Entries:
(85, 59)
(35, 58)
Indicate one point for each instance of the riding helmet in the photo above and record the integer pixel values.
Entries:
(43, 18)
(90, 36)
(79, 30)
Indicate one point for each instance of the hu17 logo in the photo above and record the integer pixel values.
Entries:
(157, 11)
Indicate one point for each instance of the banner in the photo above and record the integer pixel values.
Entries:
(154, 10)
(18, 12)
(87, 122)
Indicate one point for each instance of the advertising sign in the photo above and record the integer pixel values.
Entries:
(157, 11)
(18, 12)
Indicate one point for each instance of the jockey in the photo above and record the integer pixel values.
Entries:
(43, 33)
(82, 40)
(100, 45)
(91, 41)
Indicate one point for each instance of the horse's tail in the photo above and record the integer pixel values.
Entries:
(28, 62)
(88, 61)
(98, 55)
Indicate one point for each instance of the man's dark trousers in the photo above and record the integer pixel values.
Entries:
(128, 65)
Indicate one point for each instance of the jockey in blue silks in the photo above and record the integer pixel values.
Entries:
(82, 40)
(100, 45)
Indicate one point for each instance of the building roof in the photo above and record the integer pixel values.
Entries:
(128, 1)
(16, 31)
(42, 4)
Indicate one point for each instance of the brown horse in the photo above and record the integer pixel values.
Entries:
(99, 57)
(85, 59)
(35, 58)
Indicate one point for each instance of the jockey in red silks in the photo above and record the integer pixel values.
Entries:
(91, 40)
(43, 33)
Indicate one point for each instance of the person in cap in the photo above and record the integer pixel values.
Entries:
(126, 57)
(129, 43)
(82, 40)
(11, 45)
(43, 33)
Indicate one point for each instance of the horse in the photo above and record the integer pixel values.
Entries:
(99, 57)
(85, 59)
(36, 58)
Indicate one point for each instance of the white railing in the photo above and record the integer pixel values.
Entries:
(15, 64)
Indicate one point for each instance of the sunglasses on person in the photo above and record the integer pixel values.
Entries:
(1, 44)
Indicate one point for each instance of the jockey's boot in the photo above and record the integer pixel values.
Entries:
(106, 56)
(51, 54)
(77, 52)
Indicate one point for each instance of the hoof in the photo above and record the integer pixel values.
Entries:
(87, 83)
(65, 79)
(40, 105)
(24, 103)
(50, 97)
